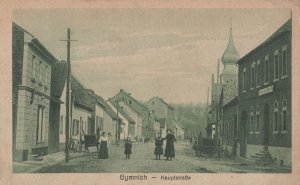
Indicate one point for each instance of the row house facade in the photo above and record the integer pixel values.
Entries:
(162, 111)
(137, 111)
(90, 114)
(31, 64)
(265, 98)
(126, 127)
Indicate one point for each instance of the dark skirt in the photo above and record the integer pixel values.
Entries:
(103, 152)
(158, 150)
(170, 151)
(128, 147)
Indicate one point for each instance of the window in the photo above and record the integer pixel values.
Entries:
(253, 76)
(275, 118)
(257, 73)
(130, 102)
(266, 69)
(77, 128)
(61, 125)
(244, 80)
(40, 70)
(73, 127)
(46, 76)
(153, 103)
(257, 119)
(276, 65)
(228, 131)
(40, 124)
(284, 116)
(33, 67)
(152, 111)
(251, 120)
(284, 62)
(43, 72)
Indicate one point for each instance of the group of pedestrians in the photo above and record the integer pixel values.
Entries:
(158, 151)
(169, 150)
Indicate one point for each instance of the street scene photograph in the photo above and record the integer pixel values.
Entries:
(142, 90)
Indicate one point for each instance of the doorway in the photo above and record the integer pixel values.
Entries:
(243, 135)
(266, 126)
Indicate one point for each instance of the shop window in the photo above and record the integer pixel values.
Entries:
(275, 118)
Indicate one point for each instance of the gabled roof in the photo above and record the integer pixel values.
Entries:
(286, 27)
(81, 95)
(58, 78)
(228, 91)
(232, 102)
(106, 107)
(126, 98)
(163, 101)
(121, 111)
(35, 43)
(179, 124)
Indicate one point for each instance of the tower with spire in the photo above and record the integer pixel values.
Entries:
(229, 59)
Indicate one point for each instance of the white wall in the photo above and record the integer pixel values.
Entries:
(125, 123)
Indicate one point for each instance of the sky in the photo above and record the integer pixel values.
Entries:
(170, 53)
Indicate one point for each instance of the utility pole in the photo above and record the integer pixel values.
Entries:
(117, 124)
(68, 95)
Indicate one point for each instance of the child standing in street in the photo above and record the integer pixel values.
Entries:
(158, 147)
(128, 146)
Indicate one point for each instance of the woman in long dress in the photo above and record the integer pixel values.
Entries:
(103, 152)
(170, 151)
(158, 147)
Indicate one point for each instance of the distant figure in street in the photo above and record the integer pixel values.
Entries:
(191, 140)
(170, 151)
(128, 146)
(103, 152)
(158, 147)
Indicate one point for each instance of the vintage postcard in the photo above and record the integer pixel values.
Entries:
(102, 92)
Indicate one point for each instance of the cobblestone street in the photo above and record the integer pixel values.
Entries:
(143, 160)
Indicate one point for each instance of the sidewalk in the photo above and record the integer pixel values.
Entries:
(32, 166)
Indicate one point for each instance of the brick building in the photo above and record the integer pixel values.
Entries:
(31, 65)
(224, 90)
(265, 99)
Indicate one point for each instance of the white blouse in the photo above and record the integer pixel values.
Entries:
(102, 138)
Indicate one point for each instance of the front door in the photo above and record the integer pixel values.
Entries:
(91, 127)
(243, 135)
(266, 125)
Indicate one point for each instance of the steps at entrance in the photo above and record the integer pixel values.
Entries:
(263, 157)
